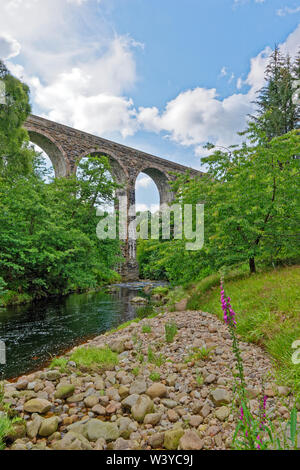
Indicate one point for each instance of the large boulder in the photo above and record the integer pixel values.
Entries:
(37, 405)
(139, 300)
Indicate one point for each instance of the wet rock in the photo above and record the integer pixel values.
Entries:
(139, 300)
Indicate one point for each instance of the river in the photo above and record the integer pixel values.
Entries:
(33, 333)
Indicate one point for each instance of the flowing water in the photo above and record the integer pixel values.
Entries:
(35, 332)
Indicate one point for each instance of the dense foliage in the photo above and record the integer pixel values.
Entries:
(48, 242)
(250, 192)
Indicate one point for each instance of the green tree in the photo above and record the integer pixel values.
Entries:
(15, 155)
(277, 109)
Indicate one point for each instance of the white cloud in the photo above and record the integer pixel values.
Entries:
(82, 83)
(143, 181)
(287, 11)
(9, 47)
(199, 115)
(223, 72)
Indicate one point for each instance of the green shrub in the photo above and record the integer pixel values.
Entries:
(136, 371)
(199, 354)
(93, 356)
(60, 362)
(146, 329)
(157, 359)
(160, 290)
(145, 311)
(154, 376)
(171, 331)
(5, 429)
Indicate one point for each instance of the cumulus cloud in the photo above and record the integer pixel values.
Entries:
(199, 115)
(9, 47)
(79, 83)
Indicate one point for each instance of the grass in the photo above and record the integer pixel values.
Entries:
(136, 371)
(160, 290)
(122, 326)
(170, 331)
(157, 359)
(145, 311)
(6, 428)
(267, 307)
(199, 354)
(154, 376)
(146, 329)
(60, 363)
(93, 356)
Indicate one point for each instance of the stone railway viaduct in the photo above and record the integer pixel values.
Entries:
(66, 146)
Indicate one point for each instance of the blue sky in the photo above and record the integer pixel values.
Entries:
(162, 76)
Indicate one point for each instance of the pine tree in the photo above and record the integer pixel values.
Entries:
(278, 110)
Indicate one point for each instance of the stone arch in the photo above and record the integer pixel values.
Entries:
(118, 171)
(161, 179)
(53, 150)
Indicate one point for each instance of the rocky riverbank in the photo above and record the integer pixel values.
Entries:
(160, 395)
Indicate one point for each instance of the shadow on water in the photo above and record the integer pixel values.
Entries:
(35, 332)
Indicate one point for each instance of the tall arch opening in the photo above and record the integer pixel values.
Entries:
(52, 150)
(116, 173)
(147, 197)
(160, 181)
(43, 164)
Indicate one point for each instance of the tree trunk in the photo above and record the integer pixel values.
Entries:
(252, 265)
